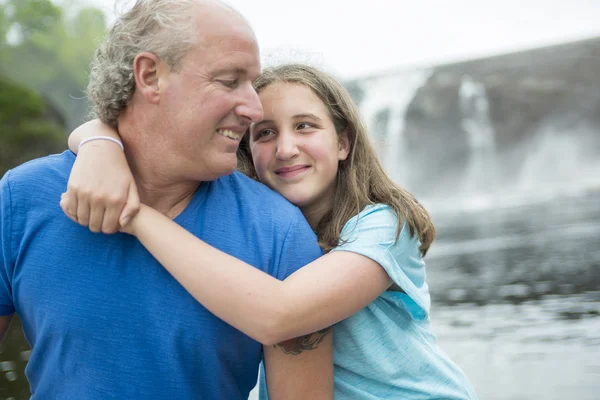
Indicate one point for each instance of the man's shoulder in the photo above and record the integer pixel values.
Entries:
(54, 165)
(254, 204)
(258, 194)
(271, 222)
(40, 175)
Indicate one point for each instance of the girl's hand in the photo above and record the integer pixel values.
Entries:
(101, 192)
(136, 221)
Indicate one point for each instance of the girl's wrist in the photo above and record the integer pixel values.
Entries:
(137, 220)
(130, 224)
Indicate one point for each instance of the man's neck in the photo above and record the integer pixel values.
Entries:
(158, 185)
(168, 199)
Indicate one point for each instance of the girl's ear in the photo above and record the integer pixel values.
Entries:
(343, 145)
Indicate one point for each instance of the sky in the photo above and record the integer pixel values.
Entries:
(355, 38)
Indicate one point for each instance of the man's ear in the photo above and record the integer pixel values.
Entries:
(146, 74)
(343, 145)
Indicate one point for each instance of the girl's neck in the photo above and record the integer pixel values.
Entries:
(312, 218)
(315, 212)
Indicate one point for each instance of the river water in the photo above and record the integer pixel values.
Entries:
(516, 296)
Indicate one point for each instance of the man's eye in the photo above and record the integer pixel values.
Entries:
(230, 83)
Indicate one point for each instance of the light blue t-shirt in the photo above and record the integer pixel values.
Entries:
(105, 319)
(387, 350)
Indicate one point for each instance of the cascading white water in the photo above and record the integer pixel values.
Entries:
(391, 94)
(547, 159)
(556, 161)
(477, 124)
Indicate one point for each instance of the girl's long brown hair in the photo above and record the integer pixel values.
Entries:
(361, 179)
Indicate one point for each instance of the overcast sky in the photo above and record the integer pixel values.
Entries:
(353, 38)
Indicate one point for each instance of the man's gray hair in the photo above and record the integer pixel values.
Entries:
(161, 27)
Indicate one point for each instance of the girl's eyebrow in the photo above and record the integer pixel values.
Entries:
(312, 116)
(297, 116)
(260, 123)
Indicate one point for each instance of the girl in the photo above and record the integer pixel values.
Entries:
(313, 148)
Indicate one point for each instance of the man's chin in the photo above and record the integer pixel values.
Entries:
(230, 170)
(216, 173)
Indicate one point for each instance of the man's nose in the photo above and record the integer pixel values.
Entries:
(250, 108)
(287, 147)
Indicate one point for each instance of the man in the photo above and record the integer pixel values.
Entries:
(104, 319)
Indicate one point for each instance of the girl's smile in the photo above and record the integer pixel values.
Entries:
(292, 171)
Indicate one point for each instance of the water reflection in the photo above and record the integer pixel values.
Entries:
(517, 253)
(526, 351)
(516, 292)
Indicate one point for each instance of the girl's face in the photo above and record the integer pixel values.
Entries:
(295, 148)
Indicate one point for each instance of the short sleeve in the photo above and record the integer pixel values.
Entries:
(300, 247)
(6, 257)
(372, 233)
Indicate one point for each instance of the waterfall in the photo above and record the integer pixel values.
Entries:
(477, 124)
(383, 109)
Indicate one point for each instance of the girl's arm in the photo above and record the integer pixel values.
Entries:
(316, 296)
(91, 128)
(101, 190)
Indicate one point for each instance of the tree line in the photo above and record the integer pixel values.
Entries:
(45, 51)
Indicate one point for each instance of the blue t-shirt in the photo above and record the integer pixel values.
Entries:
(387, 350)
(105, 320)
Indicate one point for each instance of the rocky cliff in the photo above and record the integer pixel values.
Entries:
(521, 120)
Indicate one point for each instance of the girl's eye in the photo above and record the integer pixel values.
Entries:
(304, 125)
(265, 134)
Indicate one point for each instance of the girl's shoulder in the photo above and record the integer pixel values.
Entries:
(373, 233)
(374, 223)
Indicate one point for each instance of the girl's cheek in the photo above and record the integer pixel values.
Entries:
(261, 160)
(319, 151)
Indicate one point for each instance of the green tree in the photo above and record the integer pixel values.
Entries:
(49, 50)
(29, 128)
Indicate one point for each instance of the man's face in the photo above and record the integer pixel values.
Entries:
(207, 105)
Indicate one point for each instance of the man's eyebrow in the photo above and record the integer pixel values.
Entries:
(230, 70)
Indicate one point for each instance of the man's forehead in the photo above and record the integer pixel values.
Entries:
(227, 57)
(217, 16)
(226, 44)
(223, 38)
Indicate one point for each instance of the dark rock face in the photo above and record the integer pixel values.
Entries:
(485, 124)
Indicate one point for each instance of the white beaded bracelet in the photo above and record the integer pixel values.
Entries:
(84, 141)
